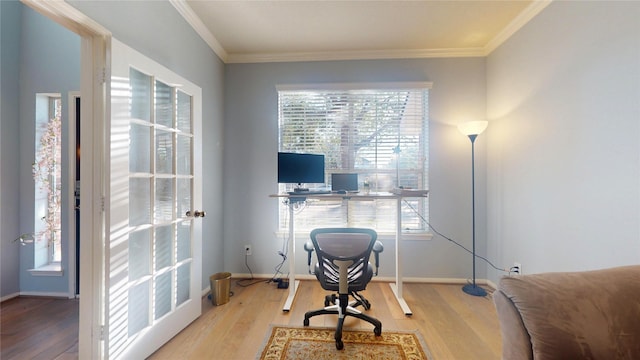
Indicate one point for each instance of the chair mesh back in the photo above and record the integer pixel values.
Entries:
(351, 244)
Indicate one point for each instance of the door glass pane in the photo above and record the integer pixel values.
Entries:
(184, 155)
(139, 296)
(183, 245)
(163, 105)
(184, 112)
(139, 201)
(139, 254)
(184, 197)
(164, 152)
(140, 143)
(162, 250)
(164, 200)
(183, 279)
(162, 295)
(140, 95)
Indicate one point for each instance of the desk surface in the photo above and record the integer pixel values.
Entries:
(356, 196)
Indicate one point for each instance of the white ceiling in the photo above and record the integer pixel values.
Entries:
(305, 30)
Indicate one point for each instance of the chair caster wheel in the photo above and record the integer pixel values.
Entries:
(377, 331)
(306, 322)
(366, 304)
(339, 345)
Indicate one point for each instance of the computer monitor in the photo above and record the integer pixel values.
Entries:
(346, 182)
(296, 168)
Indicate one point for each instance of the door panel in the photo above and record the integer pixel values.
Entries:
(154, 264)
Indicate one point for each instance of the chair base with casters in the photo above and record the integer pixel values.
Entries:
(347, 274)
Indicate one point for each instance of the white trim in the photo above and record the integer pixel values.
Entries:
(516, 24)
(201, 29)
(9, 297)
(491, 284)
(95, 63)
(355, 86)
(51, 269)
(45, 294)
(67, 16)
(355, 55)
(192, 19)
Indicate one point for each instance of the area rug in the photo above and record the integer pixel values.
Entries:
(309, 343)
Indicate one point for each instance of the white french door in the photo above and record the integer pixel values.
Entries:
(153, 261)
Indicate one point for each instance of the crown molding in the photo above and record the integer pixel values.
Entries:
(192, 19)
(516, 24)
(355, 55)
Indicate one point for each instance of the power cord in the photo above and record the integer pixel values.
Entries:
(240, 282)
(455, 242)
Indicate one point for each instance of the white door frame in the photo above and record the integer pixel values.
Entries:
(95, 70)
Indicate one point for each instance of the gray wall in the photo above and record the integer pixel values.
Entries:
(49, 63)
(563, 177)
(10, 13)
(251, 133)
(37, 57)
(164, 37)
(157, 30)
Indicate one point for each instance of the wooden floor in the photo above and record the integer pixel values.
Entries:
(454, 325)
(39, 328)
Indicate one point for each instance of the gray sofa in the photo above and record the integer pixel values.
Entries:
(571, 315)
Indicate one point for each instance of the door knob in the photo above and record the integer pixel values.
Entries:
(196, 213)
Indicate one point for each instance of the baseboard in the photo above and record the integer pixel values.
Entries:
(46, 294)
(492, 285)
(9, 297)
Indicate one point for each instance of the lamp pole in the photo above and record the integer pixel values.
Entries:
(472, 130)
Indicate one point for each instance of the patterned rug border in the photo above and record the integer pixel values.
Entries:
(270, 334)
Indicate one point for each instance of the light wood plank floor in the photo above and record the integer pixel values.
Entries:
(453, 324)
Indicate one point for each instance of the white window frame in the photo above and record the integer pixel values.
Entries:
(47, 254)
(381, 178)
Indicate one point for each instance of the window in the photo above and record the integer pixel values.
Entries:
(47, 174)
(379, 132)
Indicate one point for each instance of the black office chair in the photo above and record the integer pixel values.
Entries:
(343, 267)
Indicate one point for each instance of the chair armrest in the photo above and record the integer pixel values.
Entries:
(377, 249)
(308, 247)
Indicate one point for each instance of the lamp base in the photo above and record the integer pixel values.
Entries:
(474, 290)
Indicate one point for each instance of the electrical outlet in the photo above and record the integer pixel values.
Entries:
(517, 268)
(247, 250)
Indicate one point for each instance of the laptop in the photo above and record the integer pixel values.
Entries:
(344, 182)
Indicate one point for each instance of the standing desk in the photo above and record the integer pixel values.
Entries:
(395, 287)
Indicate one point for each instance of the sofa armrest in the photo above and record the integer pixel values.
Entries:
(516, 343)
(576, 315)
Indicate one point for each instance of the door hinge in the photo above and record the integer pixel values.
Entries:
(100, 332)
(102, 76)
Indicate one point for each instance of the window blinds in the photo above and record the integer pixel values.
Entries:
(378, 132)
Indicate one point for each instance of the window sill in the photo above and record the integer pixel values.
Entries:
(54, 269)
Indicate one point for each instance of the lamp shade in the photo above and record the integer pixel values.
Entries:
(473, 127)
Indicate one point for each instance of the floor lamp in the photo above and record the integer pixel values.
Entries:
(472, 129)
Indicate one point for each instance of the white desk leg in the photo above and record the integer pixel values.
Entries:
(293, 284)
(397, 287)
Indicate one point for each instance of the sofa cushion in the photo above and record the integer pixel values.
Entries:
(579, 315)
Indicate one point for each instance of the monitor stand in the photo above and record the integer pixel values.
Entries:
(300, 189)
